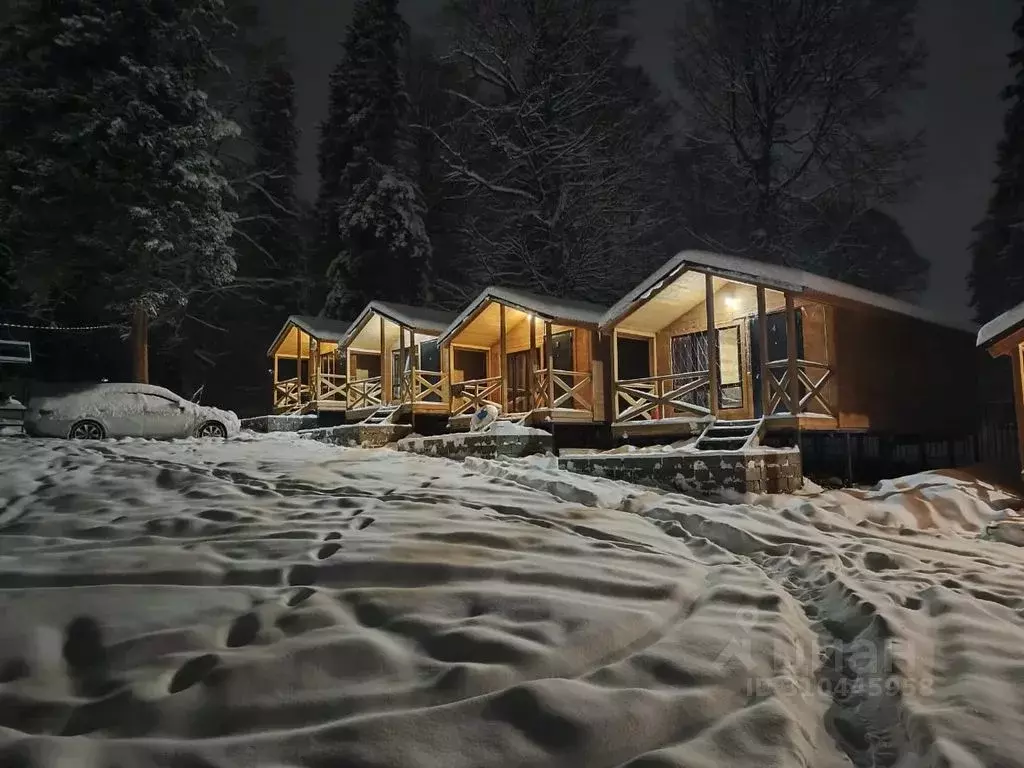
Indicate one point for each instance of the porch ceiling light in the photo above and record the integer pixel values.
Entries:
(732, 302)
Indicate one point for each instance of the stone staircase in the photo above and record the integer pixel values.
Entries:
(723, 435)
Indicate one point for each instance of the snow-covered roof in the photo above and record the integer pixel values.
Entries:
(772, 276)
(422, 319)
(568, 311)
(417, 318)
(320, 328)
(1000, 326)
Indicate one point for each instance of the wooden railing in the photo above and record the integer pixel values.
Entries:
(364, 393)
(569, 389)
(813, 398)
(423, 387)
(658, 397)
(471, 396)
(332, 387)
(290, 395)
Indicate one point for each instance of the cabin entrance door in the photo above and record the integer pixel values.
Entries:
(778, 347)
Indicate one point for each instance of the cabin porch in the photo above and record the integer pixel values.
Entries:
(306, 376)
(769, 366)
(529, 367)
(393, 367)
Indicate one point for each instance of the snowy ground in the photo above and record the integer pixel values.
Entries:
(278, 602)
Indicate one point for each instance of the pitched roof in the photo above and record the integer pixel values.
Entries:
(320, 328)
(1000, 326)
(569, 311)
(773, 276)
(422, 319)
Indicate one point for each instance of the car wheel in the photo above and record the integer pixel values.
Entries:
(87, 430)
(212, 429)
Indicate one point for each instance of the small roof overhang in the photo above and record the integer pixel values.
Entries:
(1001, 327)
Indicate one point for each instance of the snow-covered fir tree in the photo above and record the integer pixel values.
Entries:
(371, 208)
(997, 273)
(111, 194)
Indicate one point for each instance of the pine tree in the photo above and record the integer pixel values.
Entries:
(997, 273)
(790, 104)
(111, 195)
(371, 209)
(554, 148)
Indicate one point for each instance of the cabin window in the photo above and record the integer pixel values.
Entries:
(730, 368)
(561, 351)
(690, 356)
(634, 359)
(469, 365)
(397, 373)
(365, 366)
(430, 356)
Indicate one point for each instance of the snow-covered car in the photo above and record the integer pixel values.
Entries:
(125, 410)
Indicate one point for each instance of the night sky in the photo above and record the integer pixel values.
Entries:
(960, 109)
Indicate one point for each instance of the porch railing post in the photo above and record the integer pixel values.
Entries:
(502, 362)
(404, 388)
(549, 353)
(531, 367)
(615, 373)
(762, 348)
(709, 303)
(385, 368)
(792, 365)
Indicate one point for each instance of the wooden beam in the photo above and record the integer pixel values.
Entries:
(273, 403)
(709, 304)
(385, 367)
(550, 354)
(531, 362)
(762, 348)
(402, 359)
(615, 354)
(792, 367)
(1017, 363)
(502, 362)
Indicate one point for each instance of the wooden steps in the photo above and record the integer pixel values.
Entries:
(730, 435)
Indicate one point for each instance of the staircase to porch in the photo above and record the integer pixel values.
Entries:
(385, 414)
(721, 435)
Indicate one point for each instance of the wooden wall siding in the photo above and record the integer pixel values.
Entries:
(904, 376)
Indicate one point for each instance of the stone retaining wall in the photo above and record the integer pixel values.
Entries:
(274, 423)
(707, 472)
(480, 444)
(359, 435)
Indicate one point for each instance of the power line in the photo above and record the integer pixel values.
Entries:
(59, 327)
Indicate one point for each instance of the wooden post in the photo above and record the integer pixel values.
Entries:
(385, 368)
(709, 304)
(401, 365)
(615, 373)
(1017, 363)
(502, 362)
(314, 367)
(792, 367)
(531, 363)
(140, 345)
(762, 346)
(550, 354)
(274, 390)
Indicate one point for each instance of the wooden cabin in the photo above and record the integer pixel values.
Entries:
(393, 361)
(305, 365)
(534, 357)
(790, 351)
(1003, 336)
